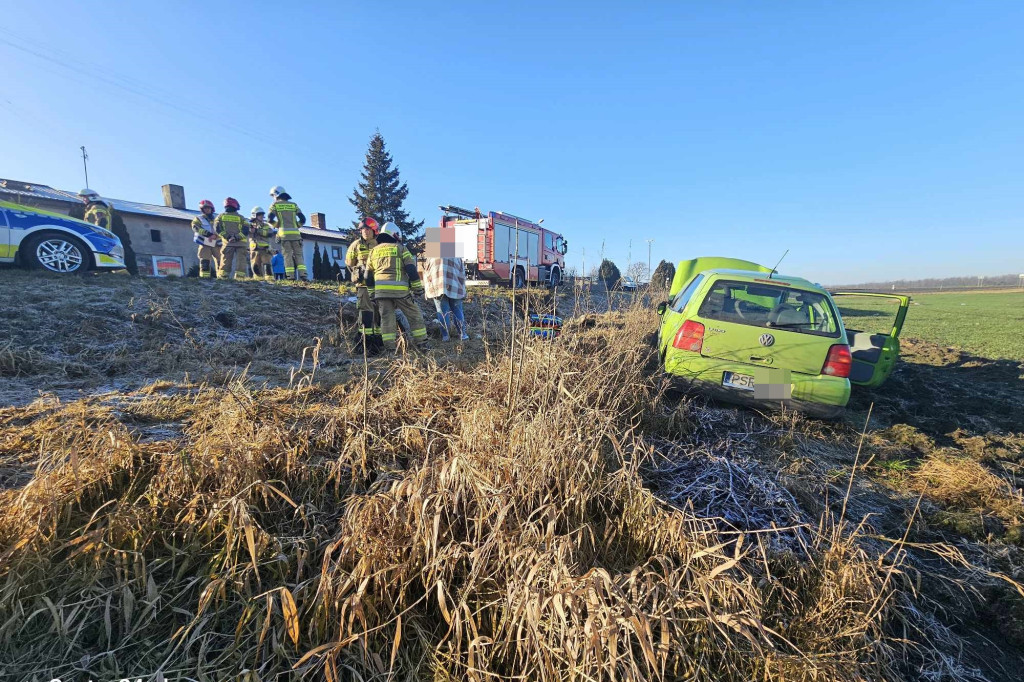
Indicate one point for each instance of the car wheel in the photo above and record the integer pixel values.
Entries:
(556, 277)
(56, 253)
(518, 278)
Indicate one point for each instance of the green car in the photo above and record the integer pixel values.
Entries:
(743, 333)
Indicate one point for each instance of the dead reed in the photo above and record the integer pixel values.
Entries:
(460, 529)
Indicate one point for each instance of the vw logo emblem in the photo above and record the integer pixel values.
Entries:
(766, 339)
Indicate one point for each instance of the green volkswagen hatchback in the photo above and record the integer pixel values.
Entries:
(741, 332)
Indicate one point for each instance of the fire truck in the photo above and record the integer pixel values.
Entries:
(502, 248)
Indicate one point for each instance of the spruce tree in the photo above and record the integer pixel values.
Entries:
(318, 263)
(609, 273)
(381, 193)
(662, 274)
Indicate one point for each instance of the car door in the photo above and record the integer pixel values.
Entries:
(671, 313)
(874, 343)
(6, 248)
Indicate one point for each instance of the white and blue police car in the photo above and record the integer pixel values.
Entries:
(58, 243)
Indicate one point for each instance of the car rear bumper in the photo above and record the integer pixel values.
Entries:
(819, 396)
(820, 410)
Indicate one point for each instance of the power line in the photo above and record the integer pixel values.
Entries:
(123, 83)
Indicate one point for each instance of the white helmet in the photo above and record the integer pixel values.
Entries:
(89, 194)
(392, 229)
(256, 210)
(277, 190)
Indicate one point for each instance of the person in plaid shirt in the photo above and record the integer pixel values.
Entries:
(444, 282)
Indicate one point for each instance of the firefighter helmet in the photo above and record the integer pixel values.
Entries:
(205, 203)
(232, 203)
(89, 195)
(391, 229)
(256, 210)
(369, 223)
(276, 191)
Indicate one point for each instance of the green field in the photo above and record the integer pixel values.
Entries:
(987, 324)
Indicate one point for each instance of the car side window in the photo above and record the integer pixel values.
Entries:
(684, 296)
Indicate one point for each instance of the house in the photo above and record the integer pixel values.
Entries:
(161, 236)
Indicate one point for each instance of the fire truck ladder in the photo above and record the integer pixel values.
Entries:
(461, 212)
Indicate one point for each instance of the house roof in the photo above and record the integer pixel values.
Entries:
(330, 235)
(28, 189)
(18, 188)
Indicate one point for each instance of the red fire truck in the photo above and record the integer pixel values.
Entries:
(502, 248)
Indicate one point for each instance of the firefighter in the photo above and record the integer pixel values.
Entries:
(206, 237)
(233, 229)
(355, 263)
(97, 211)
(286, 217)
(259, 245)
(391, 280)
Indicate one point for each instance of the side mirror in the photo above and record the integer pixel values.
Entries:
(662, 307)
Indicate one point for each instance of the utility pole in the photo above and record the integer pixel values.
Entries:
(85, 157)
(649, 242)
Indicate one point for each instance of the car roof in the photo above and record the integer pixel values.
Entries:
(761, 277)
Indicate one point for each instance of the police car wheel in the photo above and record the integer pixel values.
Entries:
(57, 253)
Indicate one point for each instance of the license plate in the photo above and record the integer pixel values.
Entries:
(734, 380)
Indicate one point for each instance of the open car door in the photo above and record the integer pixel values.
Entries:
(866, 317)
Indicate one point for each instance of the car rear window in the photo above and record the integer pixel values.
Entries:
(771, 306)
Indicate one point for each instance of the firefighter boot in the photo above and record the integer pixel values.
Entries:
(204, 268)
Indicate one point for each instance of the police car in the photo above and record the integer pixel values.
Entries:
(58, 243)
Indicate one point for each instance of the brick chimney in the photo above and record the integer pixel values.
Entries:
(174, 196)
(319, 220)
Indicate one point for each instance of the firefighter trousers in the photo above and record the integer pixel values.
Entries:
(232, 261)
(259, 258)
(389, 325)
(369, 313)
(294, 261)
(209, 259)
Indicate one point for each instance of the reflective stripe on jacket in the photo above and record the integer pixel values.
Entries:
(390, 271)
(260, 234)
(356, 256)
(100, 215)
(287, 218)
(231, 227)
(202, 225)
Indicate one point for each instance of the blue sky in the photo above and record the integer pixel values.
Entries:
(871, 139)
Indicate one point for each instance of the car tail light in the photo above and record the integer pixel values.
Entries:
(689, 337)
(838, 362)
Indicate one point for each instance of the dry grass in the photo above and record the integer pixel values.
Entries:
(441, 522)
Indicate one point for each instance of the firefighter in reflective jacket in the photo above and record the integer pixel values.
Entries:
(97, 211)
(206, 237)
(259, 245)
(233, 229)
(286, 218)
(355, 262)
(391, 279)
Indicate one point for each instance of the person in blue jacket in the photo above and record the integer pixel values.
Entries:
(277, 265)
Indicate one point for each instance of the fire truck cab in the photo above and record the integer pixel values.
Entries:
(502, 248)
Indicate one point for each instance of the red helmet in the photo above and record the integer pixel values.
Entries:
(231, 202)
(370, 223)
(205, 203)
